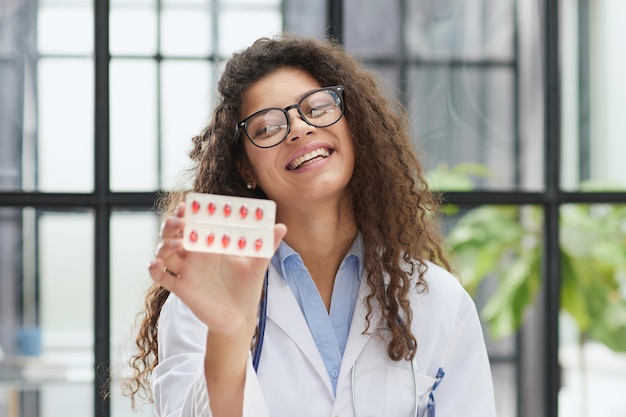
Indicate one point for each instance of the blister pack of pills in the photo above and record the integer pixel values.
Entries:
(229, 225)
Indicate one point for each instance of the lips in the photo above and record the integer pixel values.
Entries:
(308, 158)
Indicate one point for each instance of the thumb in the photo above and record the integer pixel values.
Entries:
(280, 230)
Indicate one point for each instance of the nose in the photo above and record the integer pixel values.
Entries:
(299, 127)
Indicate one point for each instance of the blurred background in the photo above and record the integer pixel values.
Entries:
(518, 108)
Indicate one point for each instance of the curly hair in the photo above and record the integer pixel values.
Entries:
(395, 211)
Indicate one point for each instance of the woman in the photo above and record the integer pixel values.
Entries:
(363, 317)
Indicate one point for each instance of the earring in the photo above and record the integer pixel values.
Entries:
(249, 186)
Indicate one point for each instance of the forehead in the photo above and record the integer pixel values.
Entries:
(280, 88)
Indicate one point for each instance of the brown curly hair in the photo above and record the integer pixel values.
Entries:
(395, 212)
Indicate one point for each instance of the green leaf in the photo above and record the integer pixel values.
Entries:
(518, 288)
(503, 244)
(611, 331)
(572, 297)
(444, 179)
(459, 177)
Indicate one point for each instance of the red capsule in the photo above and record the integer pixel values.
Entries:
(193, 236)
(195, 206)
(259, 213)
(210, 239)
(242, 242)
(211, 208)
(225, 241)
(258, 244)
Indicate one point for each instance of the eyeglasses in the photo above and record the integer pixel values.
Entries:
(322, 107)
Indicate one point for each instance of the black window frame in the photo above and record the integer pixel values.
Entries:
(102, 201)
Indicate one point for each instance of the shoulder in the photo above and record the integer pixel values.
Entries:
(445, 297)
(441, 282)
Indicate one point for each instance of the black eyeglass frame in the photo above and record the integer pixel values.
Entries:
(337, 89)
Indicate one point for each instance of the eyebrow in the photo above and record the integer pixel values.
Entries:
(298, 98)
(301, 96)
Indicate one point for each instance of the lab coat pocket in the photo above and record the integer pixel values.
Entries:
(401, 391)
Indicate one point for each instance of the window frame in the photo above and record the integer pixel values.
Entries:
(102, 201)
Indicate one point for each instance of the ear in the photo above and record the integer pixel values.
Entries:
(245, 171)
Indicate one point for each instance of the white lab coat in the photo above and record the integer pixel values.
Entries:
(292, 379)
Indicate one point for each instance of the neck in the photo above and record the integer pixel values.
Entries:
(322, 235)
(320, 228)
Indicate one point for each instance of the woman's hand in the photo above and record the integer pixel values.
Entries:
(222, 290)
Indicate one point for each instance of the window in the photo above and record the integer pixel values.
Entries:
(91, 131)
(516, 107)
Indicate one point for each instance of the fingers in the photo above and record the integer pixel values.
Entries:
(172, 227)
(180, 209)
(161, 275)
(280, 230)
(170, 248)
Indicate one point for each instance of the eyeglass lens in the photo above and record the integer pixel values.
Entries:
(320, 108)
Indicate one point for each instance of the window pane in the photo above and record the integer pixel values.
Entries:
(473, 90)
(249, 3)
(46, 300)
(593, 95)
(65, 148)
(390, 76)
(65, 249)
(67, 400)
(239, 28)
(65, 30)
(134, 137)
(66, 273)
(66, 2)
(11, 127)
(478, 29)
(17, 287)
(571, 158)
(305, 17)
(9, 399)
(593, 304)
(185, 107)
(186, 31)
(608, 92)
(133, 2)
(133, 30)
(195, 3)
(366, 15)
(505, 389)
(466, 115)
(133, 239)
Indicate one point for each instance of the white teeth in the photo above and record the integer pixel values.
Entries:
(296, 163)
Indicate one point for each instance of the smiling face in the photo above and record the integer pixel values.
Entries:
(312, 164)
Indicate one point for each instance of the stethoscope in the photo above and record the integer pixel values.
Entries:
(256, 358)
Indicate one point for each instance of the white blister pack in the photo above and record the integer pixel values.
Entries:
(229, 225)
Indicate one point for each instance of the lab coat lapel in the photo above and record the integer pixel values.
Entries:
(283, 309)
(356, 339)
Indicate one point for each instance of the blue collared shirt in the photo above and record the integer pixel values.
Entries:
(329, 330)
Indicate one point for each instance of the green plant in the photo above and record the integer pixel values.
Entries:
(504, 244)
